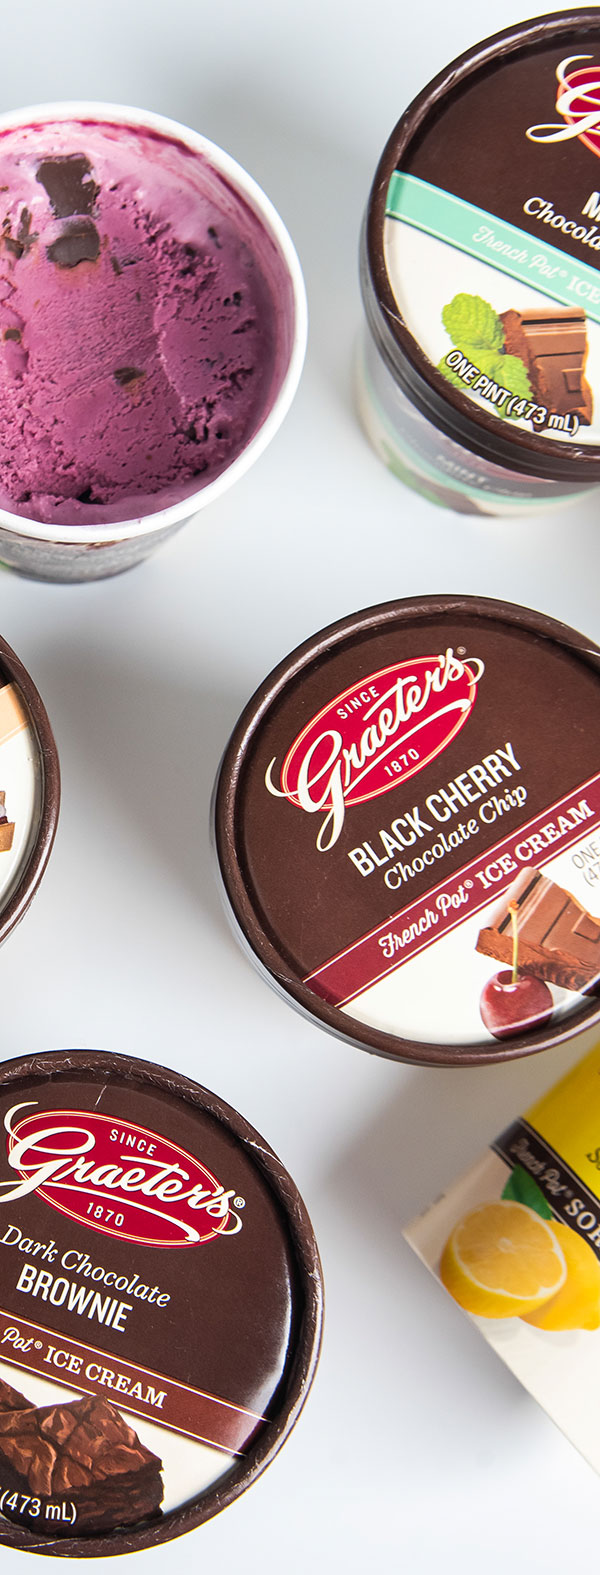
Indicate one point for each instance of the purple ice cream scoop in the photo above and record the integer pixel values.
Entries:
(139, 348)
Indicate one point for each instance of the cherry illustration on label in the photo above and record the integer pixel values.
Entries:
(512, 1000)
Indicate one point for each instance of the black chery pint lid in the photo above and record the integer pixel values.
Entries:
(481, 247)
(407, 824)
(160, 1304)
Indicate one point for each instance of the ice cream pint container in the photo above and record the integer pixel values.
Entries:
(407, 827)
(29, 790)
(160, 1304)
(516, 1242)
(152, 333)
(479, 369)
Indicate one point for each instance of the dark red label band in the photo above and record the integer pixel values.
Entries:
(87, 1370)
(449, 903)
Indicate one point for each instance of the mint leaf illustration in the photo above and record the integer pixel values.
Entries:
(451, 376)
(473, 325)
(511, 371)
(521, 1188)
(478, 332)
(508, 371)
(487, 361)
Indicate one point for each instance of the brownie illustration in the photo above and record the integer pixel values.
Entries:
(76, 1466)
(10, 1402)
(557, 939)
(7, 827)
(553, 345)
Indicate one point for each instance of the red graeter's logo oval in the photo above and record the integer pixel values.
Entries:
(375, 735)
(115, 1177)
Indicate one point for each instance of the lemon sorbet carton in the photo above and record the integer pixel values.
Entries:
(516, 1242)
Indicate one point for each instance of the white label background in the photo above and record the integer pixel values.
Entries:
(435, 997)
(425, 275)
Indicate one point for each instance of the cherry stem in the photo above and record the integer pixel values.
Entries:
(515, 940)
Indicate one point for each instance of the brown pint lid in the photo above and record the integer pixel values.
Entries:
(29, 789)
(480, 257)
(160, 1304)
(408, 813)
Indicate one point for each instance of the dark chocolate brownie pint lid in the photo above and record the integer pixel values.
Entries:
(29, 789)
(160, 1304)
(481, 249)
(407, 824)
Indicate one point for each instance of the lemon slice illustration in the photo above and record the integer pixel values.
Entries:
(577, 1304)
(502, 1260)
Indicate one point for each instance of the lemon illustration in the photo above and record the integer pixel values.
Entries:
(577, 1303)
(502, 1260)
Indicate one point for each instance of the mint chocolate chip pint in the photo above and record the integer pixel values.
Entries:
(479, 371)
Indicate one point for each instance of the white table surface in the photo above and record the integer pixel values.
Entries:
(417, 1450)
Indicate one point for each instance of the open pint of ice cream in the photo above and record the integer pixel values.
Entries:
(152, 333)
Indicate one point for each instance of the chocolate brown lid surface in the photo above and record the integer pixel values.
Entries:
(29, 789)
(386, 791)
(481, 248)
(160, 1304)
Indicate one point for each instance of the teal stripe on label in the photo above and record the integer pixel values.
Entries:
(493, 241)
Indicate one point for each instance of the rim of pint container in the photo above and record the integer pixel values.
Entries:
(259, 940)
(308, 1301)
(262, 207)
(37, 716)
(453, 412)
